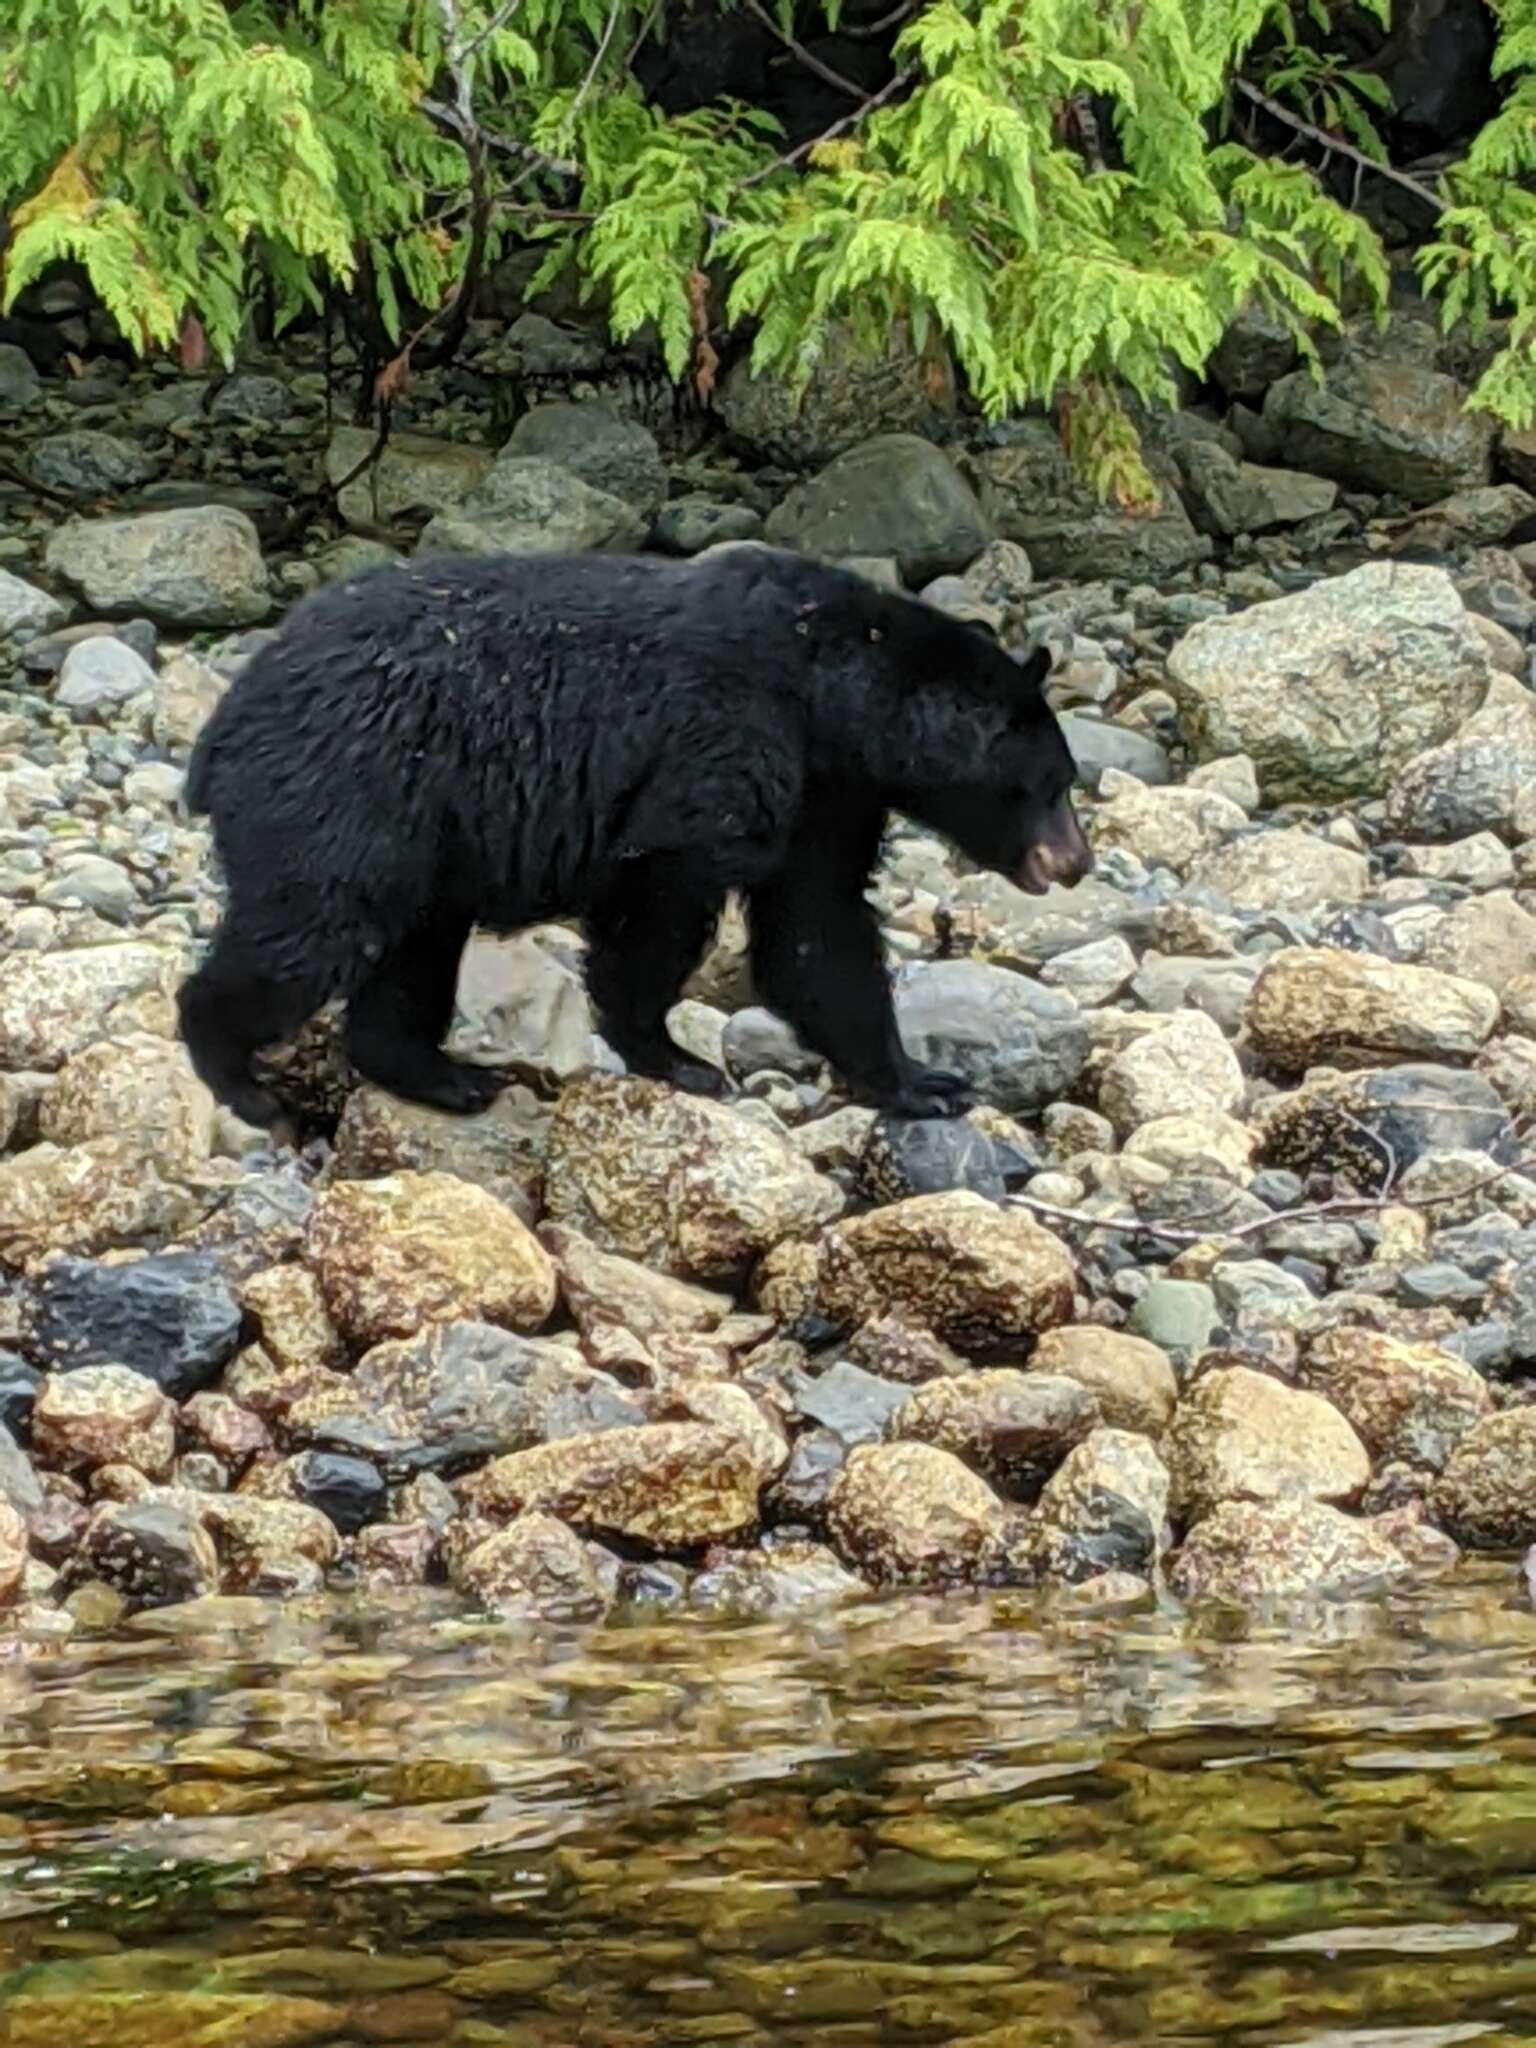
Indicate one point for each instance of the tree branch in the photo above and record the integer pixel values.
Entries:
(498, 21)
(802, 55)
(867, 31)
(597, 62)
(1332, 143)
(867, 106)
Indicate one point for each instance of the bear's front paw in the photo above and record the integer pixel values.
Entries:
(926, 1092)
(694, 1078)
(453, 1086)
(669, 1063)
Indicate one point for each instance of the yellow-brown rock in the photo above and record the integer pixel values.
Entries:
(672, 1485)
(1239, 1435)
(1311, 1004)
(908, 1514)
(393, 1255)
(1412, 1402)
(978, 1275)
(675, 1181)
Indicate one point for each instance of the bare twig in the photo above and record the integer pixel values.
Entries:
(315, 501)
(460, 304)
(1387, 1196)
(868, 30)
(597, 62)
(498, 21)
(647, 23)
(802, 55)
(1363, 163)
(865, 107)
(446, 118)
(12, 475)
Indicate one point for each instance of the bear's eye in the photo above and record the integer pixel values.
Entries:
(875, 633)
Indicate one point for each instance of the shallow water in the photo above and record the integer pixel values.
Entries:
(911, 1822)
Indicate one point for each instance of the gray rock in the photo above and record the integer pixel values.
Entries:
(1489, 939)
(1485, 513)
(1031, 494)
(155, 1553)
(353, 554)
(1179, 1316)
(89, 463)
(170, 1316)
(102, 672)
(1093, 974)
(598, 444)
(1018, 1045)
(1002, 575)
(1110, 1494)
(26, 611)
(458, 1393)
(688, 525)
(1256, 350)
(537, 346)
(1383, 426)
(521, 1006)
(755, 1041)
(46, 657)
(527, 506)
(1230, 497)
(896, 495)
(851, 395)
(1254, 1295)
(415, 473)
(92, 882)
(1033, 928)
(20, 385)
(905, 1156)
(854, 1404)
(251, 396)
(192, 568)
(1218, 988)
(1098, 745)
(1368, 1128)
(1331, 691)
(18, 1482)
(1482, 778)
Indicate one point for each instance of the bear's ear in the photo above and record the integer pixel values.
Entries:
(1034, 666)
(1017, 680)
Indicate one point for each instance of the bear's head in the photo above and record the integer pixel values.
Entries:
(959, 736)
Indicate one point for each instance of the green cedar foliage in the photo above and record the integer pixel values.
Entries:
(1058, 196)
(1482, 262)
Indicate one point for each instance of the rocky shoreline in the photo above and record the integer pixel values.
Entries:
(1230, 1289)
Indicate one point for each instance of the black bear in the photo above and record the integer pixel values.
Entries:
(501, 741)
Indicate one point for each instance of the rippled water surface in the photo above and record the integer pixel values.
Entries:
(911, 1822)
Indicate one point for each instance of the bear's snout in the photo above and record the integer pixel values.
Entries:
(1060, 852)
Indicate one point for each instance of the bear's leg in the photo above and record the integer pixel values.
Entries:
(644, 938)
(398, 1019)
(817, 961)
(230, 1008)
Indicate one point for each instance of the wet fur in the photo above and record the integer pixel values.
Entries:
(497, 741)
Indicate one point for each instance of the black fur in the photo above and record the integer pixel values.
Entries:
(499, 741)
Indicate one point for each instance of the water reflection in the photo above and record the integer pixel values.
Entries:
(926, 1821)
